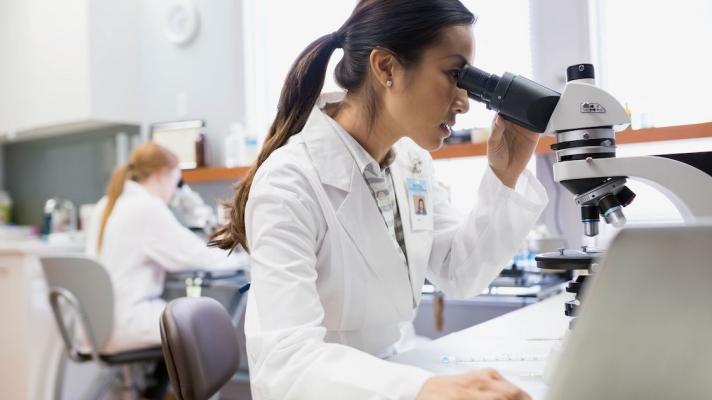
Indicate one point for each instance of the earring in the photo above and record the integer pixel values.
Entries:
(389, 83)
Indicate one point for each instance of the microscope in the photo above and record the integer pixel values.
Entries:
(190, 209)
(584, 120)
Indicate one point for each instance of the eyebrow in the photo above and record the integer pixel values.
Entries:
(458, 56)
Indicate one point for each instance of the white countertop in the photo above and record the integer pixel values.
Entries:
(500, 343)
(37, 246)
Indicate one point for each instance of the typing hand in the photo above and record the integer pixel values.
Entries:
(484, 384)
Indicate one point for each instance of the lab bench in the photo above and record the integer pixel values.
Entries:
(516, 344)
(499, 299)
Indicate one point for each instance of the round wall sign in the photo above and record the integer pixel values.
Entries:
(180, 22)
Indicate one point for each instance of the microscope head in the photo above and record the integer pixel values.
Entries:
(583, 118)
(584, 123)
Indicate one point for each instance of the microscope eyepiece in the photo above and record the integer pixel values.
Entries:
(518, 99)
(479, 84)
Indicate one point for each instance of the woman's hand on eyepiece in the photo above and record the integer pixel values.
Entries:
(509, 149)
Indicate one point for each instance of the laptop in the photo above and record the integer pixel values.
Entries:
(645, 327)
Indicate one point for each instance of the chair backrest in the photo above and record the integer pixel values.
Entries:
(85, 287)
(199, 345)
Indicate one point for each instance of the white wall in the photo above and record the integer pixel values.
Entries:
(560, 36)
(664, 59)
(206, 73)
(114, 59)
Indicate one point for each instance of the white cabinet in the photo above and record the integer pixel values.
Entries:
(67, 66)
(30, 344)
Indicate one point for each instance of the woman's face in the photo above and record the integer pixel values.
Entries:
(424, 99)
(168, 178)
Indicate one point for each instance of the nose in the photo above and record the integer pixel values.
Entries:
(462, 103)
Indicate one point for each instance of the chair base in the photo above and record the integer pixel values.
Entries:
(151, 354)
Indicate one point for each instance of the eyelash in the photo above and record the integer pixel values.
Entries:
(454, 74)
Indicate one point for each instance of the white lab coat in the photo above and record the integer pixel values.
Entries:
(330, 295)
(142, 241)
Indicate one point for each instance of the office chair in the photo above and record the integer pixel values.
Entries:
(200, 345)
(81, 295)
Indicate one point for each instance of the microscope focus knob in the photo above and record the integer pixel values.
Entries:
(580, 71)
(625, 196)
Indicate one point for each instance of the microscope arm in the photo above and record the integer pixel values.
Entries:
(689, 188)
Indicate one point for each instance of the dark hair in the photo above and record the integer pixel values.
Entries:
(403, 27)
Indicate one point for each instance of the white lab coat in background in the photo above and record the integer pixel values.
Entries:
(142, 241)
(330, 295)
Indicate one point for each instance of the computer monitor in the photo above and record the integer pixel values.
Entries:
(179, 137)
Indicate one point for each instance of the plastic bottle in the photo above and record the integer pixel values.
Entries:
(250, 148)
(233, 145)
(200, 150)
(5, 207)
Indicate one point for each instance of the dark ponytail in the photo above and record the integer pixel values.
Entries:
(405, 27)
(299, 95)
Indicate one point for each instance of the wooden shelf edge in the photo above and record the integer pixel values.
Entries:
(460, 150)
(480, 149)
(691, 131)
(211, 174)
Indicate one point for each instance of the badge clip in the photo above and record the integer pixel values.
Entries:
(416, 164)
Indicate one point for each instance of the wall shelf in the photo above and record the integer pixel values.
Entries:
(209, 174)
(480, 149)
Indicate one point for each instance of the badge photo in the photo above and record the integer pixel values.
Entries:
(419, 204)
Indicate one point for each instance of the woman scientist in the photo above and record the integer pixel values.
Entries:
(136, 237)
(338, 252)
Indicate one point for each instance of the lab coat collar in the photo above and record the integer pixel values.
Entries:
(328, 143)
(359, 154)
(329, 155)
(133, 188)
(362, 157)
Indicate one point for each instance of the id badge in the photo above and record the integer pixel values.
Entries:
(421, 213)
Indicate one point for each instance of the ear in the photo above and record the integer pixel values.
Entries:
(383, 65)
